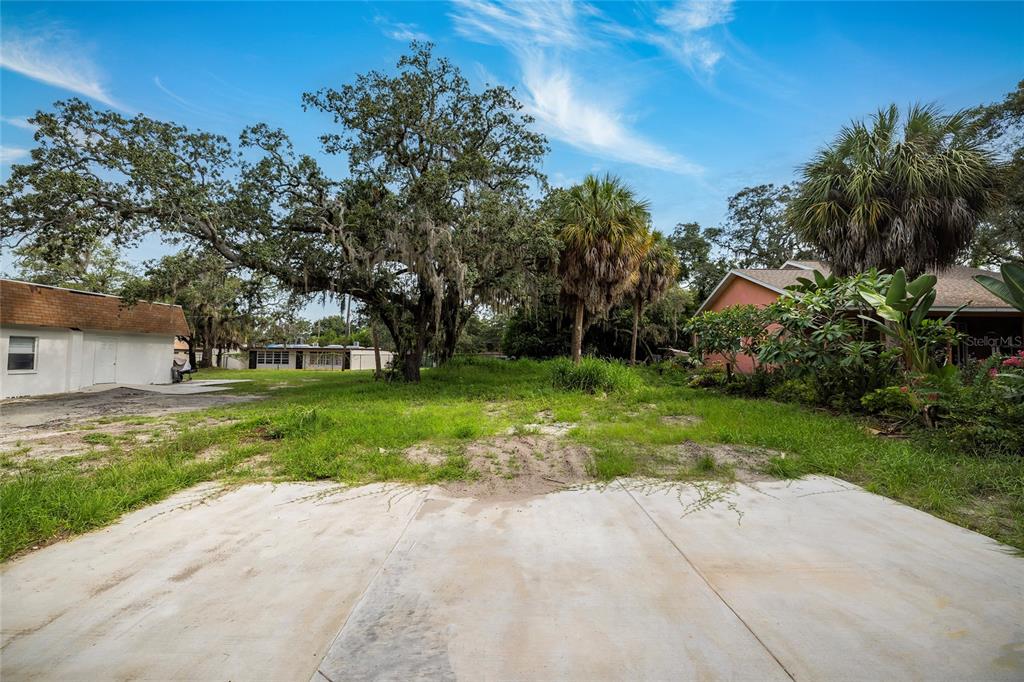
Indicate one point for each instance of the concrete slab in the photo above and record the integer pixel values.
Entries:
(814, 579)
(576, 585)
(250, 584)
(68, 408)
(842, 584)
(194, 387)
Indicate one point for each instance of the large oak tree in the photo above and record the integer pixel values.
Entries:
(432, 220)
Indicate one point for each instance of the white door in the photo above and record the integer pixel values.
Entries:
(104, 368)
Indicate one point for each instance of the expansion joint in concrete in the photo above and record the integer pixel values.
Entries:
(707, 582)
(369, 584)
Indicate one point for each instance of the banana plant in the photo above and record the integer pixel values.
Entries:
(1010, 288)
(903, 310)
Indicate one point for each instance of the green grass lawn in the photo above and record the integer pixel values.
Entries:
(348, 428)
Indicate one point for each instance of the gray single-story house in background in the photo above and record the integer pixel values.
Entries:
(305, 356)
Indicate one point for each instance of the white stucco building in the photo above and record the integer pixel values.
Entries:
(304, 356)
(55, 340)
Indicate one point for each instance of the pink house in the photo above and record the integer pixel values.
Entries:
(989, 323)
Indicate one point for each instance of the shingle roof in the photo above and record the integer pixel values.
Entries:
(955, 286)
(36, 305)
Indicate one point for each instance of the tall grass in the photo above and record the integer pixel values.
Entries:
(346, 427)
(592, 375)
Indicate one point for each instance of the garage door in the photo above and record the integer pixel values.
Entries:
(104, 368)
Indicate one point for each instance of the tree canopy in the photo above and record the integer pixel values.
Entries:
(432, 220)
(604, 233)
(903, 191)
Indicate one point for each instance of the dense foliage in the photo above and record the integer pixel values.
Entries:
(432, 221)
(901, 192)
(603, 230)
(864, 344)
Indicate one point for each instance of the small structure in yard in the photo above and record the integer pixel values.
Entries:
(56, 340)
(988, 323)
(305, 356)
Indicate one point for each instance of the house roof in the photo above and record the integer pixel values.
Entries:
(305, 346)
(38, 305)
(955, 286)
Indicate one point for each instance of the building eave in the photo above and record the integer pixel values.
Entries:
(721, 285)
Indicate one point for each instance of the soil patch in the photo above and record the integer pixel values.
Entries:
(79, 434)
(423, 454)
(746, 463)
(73, 408)
(513, 467)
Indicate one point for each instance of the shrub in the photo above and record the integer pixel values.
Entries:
(708, 377)
(593, 376)
(795, 391)
(734, 331)
(891, 401)
(981, 420)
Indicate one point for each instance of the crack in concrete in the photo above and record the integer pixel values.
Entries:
(707, 582)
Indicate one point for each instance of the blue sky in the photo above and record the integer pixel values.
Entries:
(689, 102)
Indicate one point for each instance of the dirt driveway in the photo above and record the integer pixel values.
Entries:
(53, 427)
(72, 408)
(811, 579)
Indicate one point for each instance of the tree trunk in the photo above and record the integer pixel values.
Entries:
(412, 359)
(191, 341)
(636, 327)
(453, 320)
(208, 341)
(577, 334)
(377, 373)
(348, 318)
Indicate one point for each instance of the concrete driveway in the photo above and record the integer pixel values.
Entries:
(808, 580)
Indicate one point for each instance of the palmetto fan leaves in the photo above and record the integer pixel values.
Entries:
(901, 192)
(656, 273)
(603, 228)
(604, 233)
(658, 270)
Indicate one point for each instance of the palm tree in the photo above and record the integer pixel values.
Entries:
(657, 272)
(895, 194)
(603, 229)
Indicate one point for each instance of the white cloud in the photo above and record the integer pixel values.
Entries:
(541, 24)
(563, 113)
(54, 57)
(11, 154)
(688, 23)
(539, 34)
(695, 15)
(397, 30)
(18, 122)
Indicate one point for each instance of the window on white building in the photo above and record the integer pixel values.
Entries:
(21, 354)
(272, 357)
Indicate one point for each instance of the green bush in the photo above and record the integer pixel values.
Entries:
(980, 420)
(707, 377)
(795, 391)
(891, 401)
(593, 376)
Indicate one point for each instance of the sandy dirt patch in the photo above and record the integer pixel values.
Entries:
(92, 423)
(513, 467)
(748, 463)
